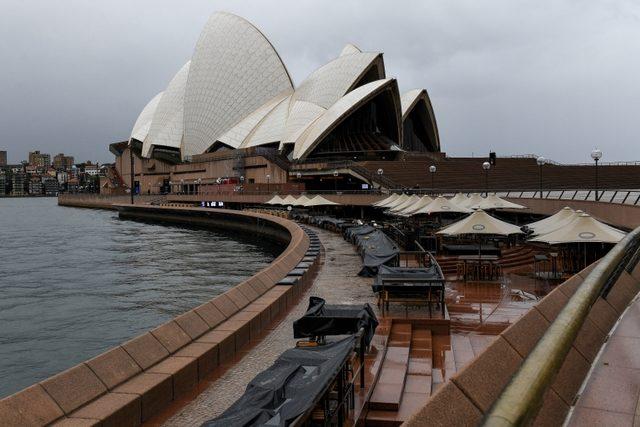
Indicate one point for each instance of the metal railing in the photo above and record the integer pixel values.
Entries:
(522, 398)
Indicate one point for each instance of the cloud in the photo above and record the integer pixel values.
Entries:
(554, 78)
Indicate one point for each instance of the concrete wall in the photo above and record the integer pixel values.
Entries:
(137, 380)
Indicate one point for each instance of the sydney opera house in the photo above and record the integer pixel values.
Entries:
(236, 94)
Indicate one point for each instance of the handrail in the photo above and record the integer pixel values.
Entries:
(522, 397)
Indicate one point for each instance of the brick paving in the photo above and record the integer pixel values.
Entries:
(337, 282)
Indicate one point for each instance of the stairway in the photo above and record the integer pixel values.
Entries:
(511, 258)
(404, 384)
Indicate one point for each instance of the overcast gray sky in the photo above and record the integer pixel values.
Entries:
(556, 77)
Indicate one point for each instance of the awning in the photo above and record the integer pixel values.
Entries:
(583, 229)
(441, 204)
(480, 222)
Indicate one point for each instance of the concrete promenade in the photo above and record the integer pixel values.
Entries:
(337, 282)
(612, 392)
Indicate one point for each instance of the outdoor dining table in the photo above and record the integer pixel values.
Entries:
(478, 260)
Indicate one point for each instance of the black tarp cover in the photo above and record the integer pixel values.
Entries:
(376, 249)
(417, 279)
(322, 319)
(352, 233)
(289, 388)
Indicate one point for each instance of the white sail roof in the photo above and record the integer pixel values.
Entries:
(338, 112)
(167, 126)
(582, 229)
(143, 122)
(494, 202)
(548, 224)
(480, 222)
(349, 49)
(234, 70)
(320, 201)
(441, 204)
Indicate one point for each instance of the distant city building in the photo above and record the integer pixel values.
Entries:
(3, 158)
(73, 185)
(3, 183)
(50, 186)
(36, 158)
(18, 183)
(35, 186)
(62, 162)
(63, 177)
(91, 169)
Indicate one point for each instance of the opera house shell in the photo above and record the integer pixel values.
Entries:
(236, 93)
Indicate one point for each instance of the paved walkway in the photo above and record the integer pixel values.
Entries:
(337, 282)
(611, 395)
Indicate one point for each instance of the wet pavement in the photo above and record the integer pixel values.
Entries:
(478, 312)
(339, 284)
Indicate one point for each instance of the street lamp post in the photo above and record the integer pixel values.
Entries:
(596, 155)
(541, 161)
(432, 170)
(486, 166)
(380, 172)
(335, 181)
(268, 182)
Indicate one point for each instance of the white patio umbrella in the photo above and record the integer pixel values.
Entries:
(479, 223)
(289, 200)
(300, 201)
(275, 200)
(473, 201)
(408, 211)
(582, 229)
(494, 202)
(441, 204)
(397, 202)
(459, 199)
(552, 222)
(411, 200)
(387, 200)
(320, 201)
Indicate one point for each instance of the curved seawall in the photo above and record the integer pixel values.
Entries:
(138, 379)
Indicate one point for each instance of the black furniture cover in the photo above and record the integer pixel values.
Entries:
(407, 280)
(289, 388)
(376, 249)
(322, 319)
(351, 233)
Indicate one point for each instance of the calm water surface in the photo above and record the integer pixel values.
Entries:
(75, 282)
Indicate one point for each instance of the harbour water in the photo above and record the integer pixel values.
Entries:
(75, 282)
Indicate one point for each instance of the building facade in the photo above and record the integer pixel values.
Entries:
(62, 162)
(3, 158)
(36, 158)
